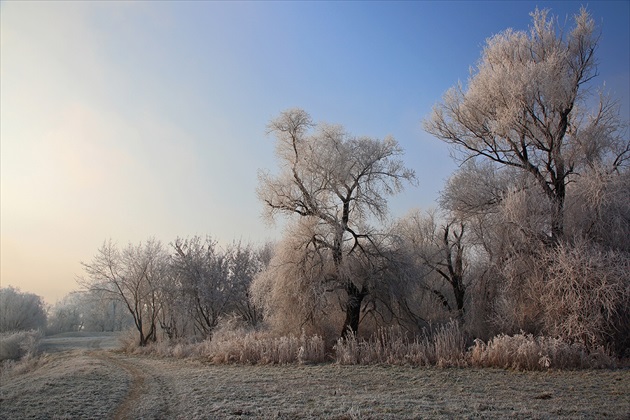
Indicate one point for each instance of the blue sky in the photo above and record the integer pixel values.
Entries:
(135, 120)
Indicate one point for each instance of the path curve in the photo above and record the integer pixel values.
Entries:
(147, 390)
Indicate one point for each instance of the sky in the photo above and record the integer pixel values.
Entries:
(137, 120)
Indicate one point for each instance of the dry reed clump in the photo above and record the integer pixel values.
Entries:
(256, 347)
(445, 346)
(526, 352)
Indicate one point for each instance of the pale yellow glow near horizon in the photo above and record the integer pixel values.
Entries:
(72, 168)
(98, 143)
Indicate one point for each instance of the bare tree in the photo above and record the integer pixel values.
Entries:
(134, 275)
(203, 272)
(175, 316)
(525, 108)
(441, 248)
(338, 181)
(244, 263)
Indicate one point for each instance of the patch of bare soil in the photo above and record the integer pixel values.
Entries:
(103, 384)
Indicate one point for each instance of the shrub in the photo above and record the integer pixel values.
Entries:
(586, 294)
(578, 291)
(14, 346)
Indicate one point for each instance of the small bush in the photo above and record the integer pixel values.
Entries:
(16, 345)
(578, 291)
(526, 352)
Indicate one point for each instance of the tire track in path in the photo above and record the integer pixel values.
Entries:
(148, 392)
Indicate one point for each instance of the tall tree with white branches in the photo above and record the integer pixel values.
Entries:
(338, 182)
(526, 107)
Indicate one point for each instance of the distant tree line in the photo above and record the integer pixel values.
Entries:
(181, 293)
(87, 311)
(21, 311)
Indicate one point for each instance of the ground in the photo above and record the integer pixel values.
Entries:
(82, 377)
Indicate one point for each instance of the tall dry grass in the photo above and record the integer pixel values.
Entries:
(445, 346)
(236, 344)
(527, 352)
(256, 347)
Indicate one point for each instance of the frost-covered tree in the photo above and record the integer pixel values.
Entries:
(20, 311)
(544, 184)
(202, 271)
(526, 107)
(337, 182)
(134, 275)
(440, 247)
(244, 263)
(292, 292)
(88, 311)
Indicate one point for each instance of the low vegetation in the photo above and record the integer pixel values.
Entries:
(445, 346)
(20, 344)
(96, 384)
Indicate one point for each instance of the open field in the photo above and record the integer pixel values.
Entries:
(91, 381)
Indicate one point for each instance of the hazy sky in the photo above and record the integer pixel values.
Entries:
(136, 120)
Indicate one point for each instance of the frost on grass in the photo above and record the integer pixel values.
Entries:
(80, 387)
(64, 385)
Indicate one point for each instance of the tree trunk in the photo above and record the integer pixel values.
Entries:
(460, 292)
(557, 217)
(353, 310)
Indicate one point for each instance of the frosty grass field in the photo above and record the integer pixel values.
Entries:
(83, 377)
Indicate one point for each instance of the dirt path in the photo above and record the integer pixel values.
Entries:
(79, 376)
(137, 388)
(149, 391)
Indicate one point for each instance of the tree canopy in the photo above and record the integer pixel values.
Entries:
(526, 107)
